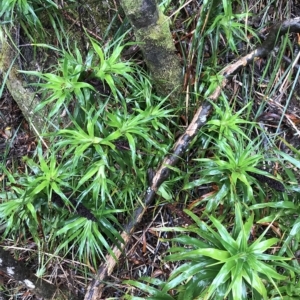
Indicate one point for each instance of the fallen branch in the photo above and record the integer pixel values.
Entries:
(24, 97)
(95, 288)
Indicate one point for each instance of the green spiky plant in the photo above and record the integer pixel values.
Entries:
(96, 165)
(219, 264)
(93, 180)
(68, 83)
(234, 161)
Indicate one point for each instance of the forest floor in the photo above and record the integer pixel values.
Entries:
(278, 114)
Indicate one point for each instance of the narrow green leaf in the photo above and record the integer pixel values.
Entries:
(256, 283)
(190, 271)
(219, 255)
(131, 142)
(73, 225)
(39, 188)
(261, 247)
(32, 210)
(290, 159)
(263, 268)
(228, 242)
(221, 278)
(279, 204)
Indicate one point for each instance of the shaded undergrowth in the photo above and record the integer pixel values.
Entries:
(228, 215)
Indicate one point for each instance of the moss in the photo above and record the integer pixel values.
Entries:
(132, 7)
(160, 55)
(143, 13)
(161, 32)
